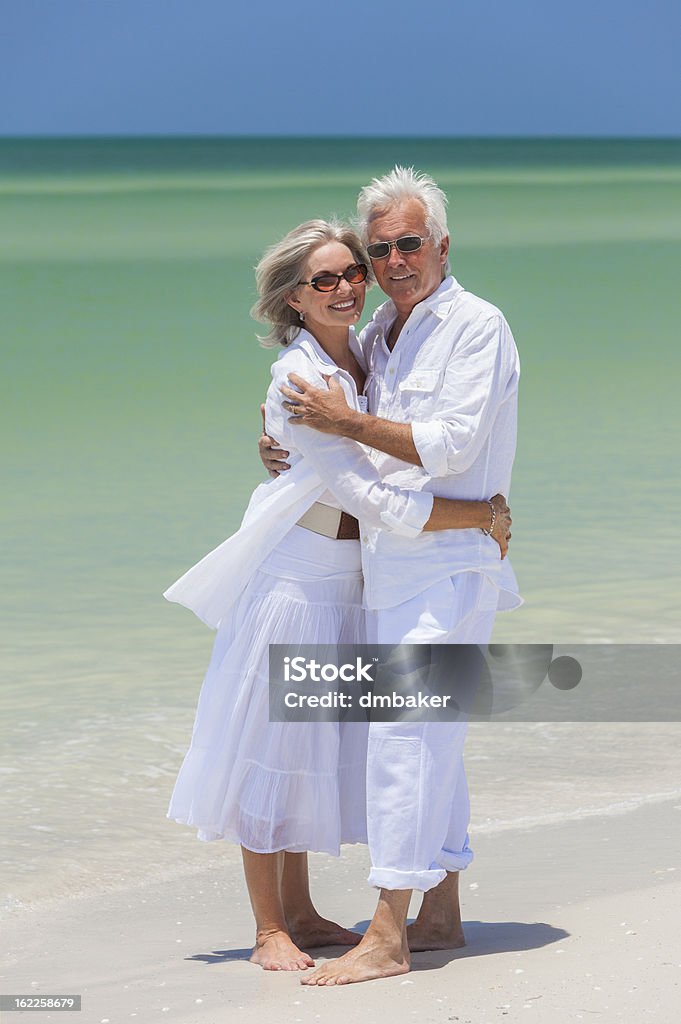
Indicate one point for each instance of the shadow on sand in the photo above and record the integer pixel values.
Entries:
(482, 938)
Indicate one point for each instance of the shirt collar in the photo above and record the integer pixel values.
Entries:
(309, 344)
(438, 302)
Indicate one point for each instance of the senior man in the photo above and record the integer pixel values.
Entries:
(442, 379)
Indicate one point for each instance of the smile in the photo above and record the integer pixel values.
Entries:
(342, 307)
(404, 277)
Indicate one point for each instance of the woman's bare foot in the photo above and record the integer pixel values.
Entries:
(371, 959)
(314, 931)
(304, 924)
(422, 936)
(275, 951)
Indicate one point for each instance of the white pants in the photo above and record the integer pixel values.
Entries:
(417, 795)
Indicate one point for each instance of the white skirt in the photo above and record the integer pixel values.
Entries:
(278, 785)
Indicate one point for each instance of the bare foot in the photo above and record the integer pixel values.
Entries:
(370, 960)
(275, 951)
(315, 931)
(438, 922)
(422, 936)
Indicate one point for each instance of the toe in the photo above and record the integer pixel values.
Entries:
(320, 978)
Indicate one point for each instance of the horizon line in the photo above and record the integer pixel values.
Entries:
(252, 137)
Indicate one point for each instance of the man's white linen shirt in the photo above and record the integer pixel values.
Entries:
(453, 374)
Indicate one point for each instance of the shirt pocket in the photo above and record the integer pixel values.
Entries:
(419, 391)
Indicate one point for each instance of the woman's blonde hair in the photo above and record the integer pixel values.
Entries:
(282, 267)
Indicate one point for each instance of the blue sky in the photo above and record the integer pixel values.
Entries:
(435, 67)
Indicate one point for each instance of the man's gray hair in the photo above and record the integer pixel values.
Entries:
(400, 184)
(281, 269)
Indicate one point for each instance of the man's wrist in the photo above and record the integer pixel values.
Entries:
(490, 515)
(476, 515)
(351, 424)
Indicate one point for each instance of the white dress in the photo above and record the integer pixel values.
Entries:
(284, 785)
(278, 785)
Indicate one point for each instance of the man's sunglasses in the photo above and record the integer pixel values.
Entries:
(329, 282)
(407, 243)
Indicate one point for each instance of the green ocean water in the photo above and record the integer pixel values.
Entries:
(132, 378)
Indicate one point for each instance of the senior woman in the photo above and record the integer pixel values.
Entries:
(292, 573)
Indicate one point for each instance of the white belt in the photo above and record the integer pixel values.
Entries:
(326, 520)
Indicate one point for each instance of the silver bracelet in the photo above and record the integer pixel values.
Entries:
(493, 521)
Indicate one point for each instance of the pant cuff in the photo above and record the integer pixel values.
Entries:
(386, 878)
(456, 861)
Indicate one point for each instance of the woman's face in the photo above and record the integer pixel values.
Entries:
(339, 308)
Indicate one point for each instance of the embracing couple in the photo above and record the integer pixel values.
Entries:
(385, 521)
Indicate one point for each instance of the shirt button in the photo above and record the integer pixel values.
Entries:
(391, 370)
(365, 540)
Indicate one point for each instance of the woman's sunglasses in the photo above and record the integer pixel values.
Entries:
(329, 282)
(407, 243)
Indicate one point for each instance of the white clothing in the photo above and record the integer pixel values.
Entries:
(319, 463)
(417, 796)
(278, 785)
(269, 785)
(453, 374)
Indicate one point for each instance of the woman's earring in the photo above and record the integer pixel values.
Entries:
(301, 317)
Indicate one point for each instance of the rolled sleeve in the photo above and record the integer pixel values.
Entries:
(414, 517)
(430, 441)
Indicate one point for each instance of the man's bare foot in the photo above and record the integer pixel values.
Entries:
(314, 931)
(370, 960)
(275, 951)
(438, 923)
(422, 936)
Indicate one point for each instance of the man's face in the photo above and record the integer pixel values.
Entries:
(407, 277)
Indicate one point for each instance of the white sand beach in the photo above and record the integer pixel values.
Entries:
(564, 922)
